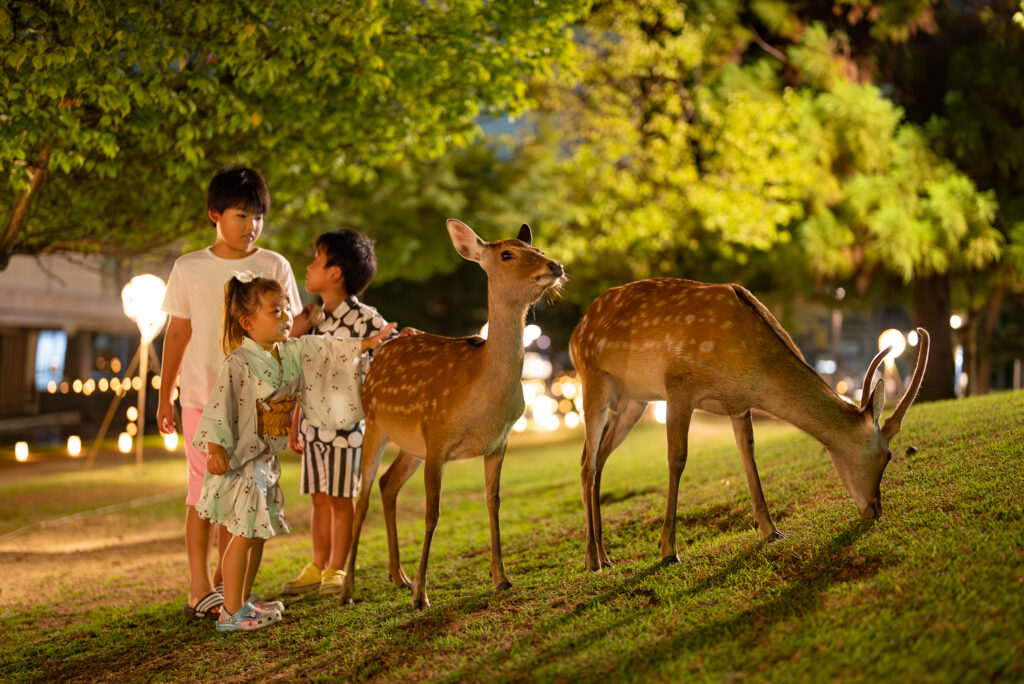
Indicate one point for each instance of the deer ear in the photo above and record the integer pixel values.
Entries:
(877, 400)
(525, 234)
(467, 243)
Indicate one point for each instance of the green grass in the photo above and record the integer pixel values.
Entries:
(933, 591)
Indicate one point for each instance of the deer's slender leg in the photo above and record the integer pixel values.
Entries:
(432, 471)
(492, 479)
(620, 422)
(596, 397)
(743, 430)
(391, 481)
(374, 442)
(678, 426)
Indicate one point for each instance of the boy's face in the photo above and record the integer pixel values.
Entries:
(320, 276)
(272, 321)
(237, 228)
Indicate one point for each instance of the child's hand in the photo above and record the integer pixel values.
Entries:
(409, 332)
(165, 417)
(217, 460)
(370, 343)
(302, 322)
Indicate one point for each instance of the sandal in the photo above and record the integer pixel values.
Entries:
(248, 618)
(207, 608)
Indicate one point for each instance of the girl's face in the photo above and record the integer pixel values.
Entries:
(271, 323)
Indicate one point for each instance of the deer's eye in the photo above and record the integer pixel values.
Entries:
(506, 255)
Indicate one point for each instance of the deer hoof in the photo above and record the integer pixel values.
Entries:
(417, 604)
(777, 535)
(670, 560)
(345, 601)
(503, 586)
(606, 563)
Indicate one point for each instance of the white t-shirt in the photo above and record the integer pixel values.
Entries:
(195, 291)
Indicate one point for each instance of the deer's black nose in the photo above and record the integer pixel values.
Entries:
(556, 268)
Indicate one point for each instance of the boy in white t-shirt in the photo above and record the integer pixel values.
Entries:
(237, 202)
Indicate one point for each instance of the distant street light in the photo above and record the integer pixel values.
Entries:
(898, 344)
(141, 299)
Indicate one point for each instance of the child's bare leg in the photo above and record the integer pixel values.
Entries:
(342, 509)
(320, 528)
(197, 542)
(255, 557)
(235, 565)
(223, 536)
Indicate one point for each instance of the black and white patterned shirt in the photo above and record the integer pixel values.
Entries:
(351, 318)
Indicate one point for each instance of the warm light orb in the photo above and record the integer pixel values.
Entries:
(136, 383)
(842, 387)
(955, 322)
(171, 441)
(141, 299)
(103, 385)
(520, 425)
(51, 387)
(530, 334)
(74, 446)
(124, 443)
(76, 386)
(155, 381)
(660, 411)
(21, 451)
(132, 429)
(913, 338)
(132, 413)
(115, 365)
(572, 419)
(892, 338)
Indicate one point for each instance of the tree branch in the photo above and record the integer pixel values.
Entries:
(37, 175)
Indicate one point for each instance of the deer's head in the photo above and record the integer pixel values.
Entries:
(861, 462)
(516, 272)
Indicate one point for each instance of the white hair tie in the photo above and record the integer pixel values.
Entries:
(245, 276)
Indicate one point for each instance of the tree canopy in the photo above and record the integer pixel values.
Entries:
(115, 115)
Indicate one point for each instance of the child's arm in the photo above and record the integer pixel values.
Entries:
(294, 443)
(370, 343)
(217, 459)
(179, 332)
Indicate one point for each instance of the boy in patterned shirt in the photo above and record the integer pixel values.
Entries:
(343, 267)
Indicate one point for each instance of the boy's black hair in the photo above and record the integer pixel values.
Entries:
(353, 253)
(238, 186)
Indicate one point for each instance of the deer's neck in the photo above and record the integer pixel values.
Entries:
(814, 408)
(504, 349)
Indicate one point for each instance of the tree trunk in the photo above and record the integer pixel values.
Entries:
(931, 311)
(995, 303)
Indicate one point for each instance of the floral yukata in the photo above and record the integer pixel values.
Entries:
(248, 414)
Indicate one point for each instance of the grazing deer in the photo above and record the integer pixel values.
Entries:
(441, 399)
(716, 348)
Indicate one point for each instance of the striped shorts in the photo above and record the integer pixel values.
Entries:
(330, 469)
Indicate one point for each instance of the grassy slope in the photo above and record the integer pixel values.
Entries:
(932, 592)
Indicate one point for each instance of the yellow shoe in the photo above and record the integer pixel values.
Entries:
(307, 580)
(331, 580)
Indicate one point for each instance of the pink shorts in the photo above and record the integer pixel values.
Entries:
(196, 458)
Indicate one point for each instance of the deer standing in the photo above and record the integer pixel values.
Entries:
(441, 399)
(716, 348)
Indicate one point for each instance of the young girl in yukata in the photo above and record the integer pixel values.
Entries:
(246, 422)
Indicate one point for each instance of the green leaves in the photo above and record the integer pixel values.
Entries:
(158, 96)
